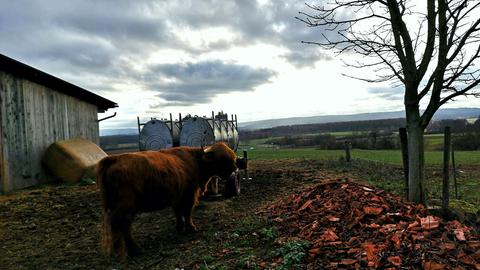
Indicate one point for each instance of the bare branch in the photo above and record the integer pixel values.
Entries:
(438, 54)
(429, 48)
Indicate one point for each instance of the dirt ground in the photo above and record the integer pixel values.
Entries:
(57, 227)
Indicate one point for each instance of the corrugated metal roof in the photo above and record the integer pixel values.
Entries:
(22, 70)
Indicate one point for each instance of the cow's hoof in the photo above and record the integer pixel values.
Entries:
(134, 251)
(179, 228)
(190, 228)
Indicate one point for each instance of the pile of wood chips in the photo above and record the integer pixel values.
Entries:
(355, 226)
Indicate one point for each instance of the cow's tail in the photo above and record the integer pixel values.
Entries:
(103, 183)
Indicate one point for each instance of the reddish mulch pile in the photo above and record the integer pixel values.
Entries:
(355, 226)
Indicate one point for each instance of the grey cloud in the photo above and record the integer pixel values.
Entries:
(258, 24)
(125, 23)
(196, 83)
(388, 93)
(97, 43)
(87, 55)
(136, 28)
(81, 32)
(306, 58)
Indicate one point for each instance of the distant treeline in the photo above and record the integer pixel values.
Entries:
(457, 126)
(466, 135)
(383, 125)
(119, 142)
(359, 140)
(374, 134)
(352, 126)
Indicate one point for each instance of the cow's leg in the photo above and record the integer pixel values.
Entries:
(106, 232)
(180, 223)
(187, 213)
(132, 247)
(119, 224)
(123, 242)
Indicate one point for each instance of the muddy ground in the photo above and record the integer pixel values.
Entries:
(57, 227)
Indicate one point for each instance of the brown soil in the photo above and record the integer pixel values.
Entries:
(57, 227)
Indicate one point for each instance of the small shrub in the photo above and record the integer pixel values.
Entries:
(467, 141)
(86, 182)
(269, 234)
(293, 253)
(248, 262)
(207, 258)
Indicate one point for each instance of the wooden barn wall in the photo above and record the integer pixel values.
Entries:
(33, 117)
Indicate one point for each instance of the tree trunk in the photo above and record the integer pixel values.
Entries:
(416, 163)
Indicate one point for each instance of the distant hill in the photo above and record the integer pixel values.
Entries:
(457, 113)
(382, 126)
(123, 141)
(462, 113)
(118, 131)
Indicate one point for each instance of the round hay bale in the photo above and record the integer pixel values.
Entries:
(72, 160)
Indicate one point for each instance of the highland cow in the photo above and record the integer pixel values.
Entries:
(148, 181)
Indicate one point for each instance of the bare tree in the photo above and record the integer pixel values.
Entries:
(430, 47)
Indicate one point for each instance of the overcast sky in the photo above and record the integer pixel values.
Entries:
(156, 57)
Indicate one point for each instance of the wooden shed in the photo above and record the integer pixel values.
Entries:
(36, 110)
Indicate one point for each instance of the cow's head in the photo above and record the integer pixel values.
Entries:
(220, 160)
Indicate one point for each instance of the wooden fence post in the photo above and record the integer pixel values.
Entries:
(245, 156)
(404, 147)
(454, 173)
(446, 159)
(138, 125)
(347, 151)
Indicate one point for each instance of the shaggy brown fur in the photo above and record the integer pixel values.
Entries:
(152, 180)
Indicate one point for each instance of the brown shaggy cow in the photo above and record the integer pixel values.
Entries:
(147, 181)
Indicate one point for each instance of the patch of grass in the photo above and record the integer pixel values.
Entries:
(264, 153)
(87, 181)
(468, 189)
(433, 142)
(205, 261)
(386, 156)
(395, 187)
(269, 234)
(207, 258)
(250, 242)
(464, 206)
(383, 175)
(293, 253)
(253, 245)
(390, 177)
(341, 133)
(248, 261)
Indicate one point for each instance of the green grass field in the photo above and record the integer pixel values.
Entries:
(433, 155)
(432, 141)
(386, 156)
(388, 177)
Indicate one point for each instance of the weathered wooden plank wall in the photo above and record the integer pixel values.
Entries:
(32, 117)
(3, 162)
